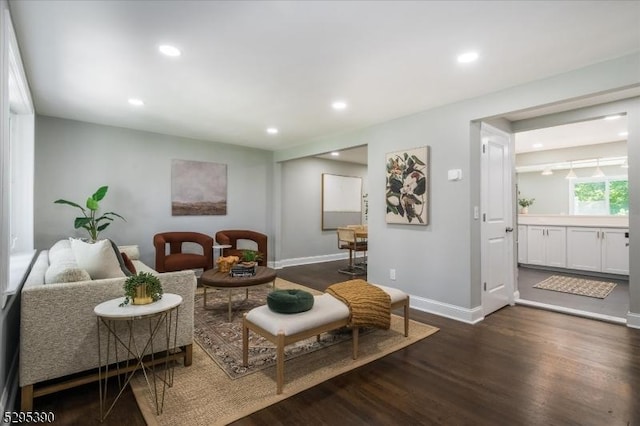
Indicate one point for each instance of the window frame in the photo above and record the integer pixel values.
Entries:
(607, 191)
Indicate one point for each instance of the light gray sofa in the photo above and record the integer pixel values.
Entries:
(58, 328)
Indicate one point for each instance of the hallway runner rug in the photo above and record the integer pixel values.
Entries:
(579, 286)
(206, 395)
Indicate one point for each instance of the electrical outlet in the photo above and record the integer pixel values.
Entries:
(392, 274)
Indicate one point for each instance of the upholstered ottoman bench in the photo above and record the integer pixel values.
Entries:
(328, 313)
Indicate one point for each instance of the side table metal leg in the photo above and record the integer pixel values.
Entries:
(229, 305)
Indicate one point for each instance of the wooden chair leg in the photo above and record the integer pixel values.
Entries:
(188, 355)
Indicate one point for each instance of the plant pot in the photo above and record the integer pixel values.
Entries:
(524, 210)
(141, 297)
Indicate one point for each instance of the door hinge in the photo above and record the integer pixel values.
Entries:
(484, 217)
(485, 286)
(484, 148)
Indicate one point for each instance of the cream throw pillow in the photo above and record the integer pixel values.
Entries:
(98, 259)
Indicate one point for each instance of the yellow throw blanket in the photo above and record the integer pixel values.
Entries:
(369, 306)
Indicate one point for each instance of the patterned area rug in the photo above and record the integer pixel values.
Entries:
(222, 340)
(579, 286)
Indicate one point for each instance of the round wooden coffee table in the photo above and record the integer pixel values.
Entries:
(223, 281)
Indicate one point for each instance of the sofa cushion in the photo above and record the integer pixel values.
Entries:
(99, 259)
(132, 251)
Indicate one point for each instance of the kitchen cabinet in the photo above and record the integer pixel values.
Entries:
(615, 251)
(547, 245)
(522, 244)
(598, 249)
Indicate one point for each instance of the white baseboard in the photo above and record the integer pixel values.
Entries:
(469, 316)
(312, 259)
(633, 320)
(571, 311)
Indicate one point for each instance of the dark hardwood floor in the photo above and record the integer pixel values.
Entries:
(520, 366)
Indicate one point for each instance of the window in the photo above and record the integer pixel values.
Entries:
(600, 196)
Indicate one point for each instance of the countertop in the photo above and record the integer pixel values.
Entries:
(566, 220)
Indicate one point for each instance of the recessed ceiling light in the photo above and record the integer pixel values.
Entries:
(537, 145)
(272, 131)
(335, 154)
(339, 105)
(467, 57)
(612, 117)
(623, 134)
(169, 50)
(136, 102)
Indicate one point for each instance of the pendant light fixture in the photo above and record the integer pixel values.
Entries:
(598, 172)
(571, 174)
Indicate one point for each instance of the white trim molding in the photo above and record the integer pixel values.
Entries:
(296, 261)
(458, 313)
(571, 311)
(633, 320)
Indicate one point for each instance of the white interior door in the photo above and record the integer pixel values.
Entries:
(498, 266)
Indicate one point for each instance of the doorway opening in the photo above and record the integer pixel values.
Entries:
(572, 191)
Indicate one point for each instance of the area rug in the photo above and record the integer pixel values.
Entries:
(222, 340)
(579, 286)
(205, 395)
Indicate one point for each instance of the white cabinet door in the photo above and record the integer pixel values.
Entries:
(522, 244)
(536, 245)
(556, 246)
(583, 248)
(615, 251)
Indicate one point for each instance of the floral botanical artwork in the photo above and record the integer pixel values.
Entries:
(407, 196)
(198, 188)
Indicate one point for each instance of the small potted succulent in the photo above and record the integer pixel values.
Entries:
(250, 257)
(141, 289)
(524, 204)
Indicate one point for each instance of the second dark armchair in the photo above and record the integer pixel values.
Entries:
(231, 238)
(176, 260)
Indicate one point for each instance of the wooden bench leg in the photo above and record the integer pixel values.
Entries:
(26, 402)
(355, 333)
(245, 343)
(406, 318)
(280, 362)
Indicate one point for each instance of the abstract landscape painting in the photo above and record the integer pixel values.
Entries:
(198, 188)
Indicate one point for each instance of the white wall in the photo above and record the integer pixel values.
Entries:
(303, 239)
(438, 264)
(74, 158)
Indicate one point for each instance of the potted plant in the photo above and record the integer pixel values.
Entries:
(524, 204)
(250, 257)
(141, 289)
(94, 225)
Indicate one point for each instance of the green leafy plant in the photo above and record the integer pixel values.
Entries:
(525, 202)
(251, 256)
(154, 288)
(94, 225)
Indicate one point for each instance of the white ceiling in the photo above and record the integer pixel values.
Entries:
(569, 135)
(253, 64)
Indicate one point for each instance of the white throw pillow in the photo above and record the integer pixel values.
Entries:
(61, 252)
(65, 273)
(97, 258)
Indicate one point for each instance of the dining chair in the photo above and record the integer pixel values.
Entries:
(347, 241)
